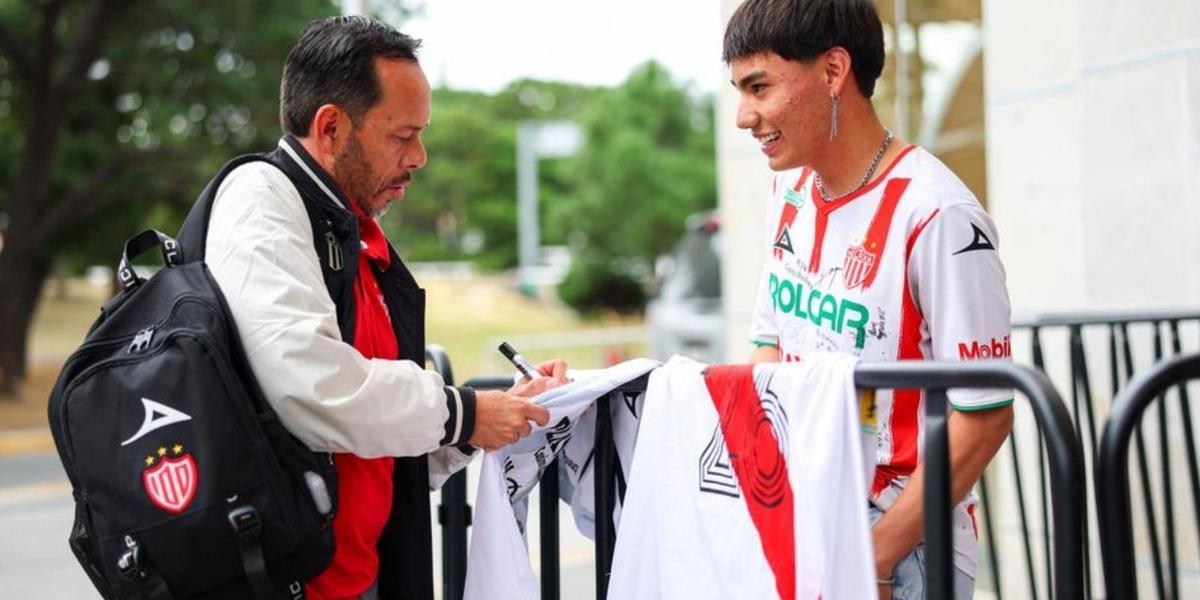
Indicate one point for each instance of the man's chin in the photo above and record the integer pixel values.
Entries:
(381, 203)
(782, 162)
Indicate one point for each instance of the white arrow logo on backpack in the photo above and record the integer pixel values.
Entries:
(157, 417)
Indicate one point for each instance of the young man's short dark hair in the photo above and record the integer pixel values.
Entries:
(334, 63)
(801, 30)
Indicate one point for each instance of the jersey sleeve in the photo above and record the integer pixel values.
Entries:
(958, 282)
(763, 328)
(764, 331)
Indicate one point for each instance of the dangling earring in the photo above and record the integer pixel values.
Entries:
(834, 121)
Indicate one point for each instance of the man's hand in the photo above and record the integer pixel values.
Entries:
(502, 418)
(554, 374)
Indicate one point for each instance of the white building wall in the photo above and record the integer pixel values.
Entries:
(743, 187)
(1093, 168)
(1093, 124)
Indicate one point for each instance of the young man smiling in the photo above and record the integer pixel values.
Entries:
(874, 248)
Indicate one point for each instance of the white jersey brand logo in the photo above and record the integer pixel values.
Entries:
(157, 417)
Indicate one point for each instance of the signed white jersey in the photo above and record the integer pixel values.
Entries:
(748, 481)
(498, 563)
(904, 269)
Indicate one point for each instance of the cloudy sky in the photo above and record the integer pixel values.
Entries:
(484, 44)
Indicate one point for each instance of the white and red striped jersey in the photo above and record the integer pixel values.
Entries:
(904, 269)
(747, 481)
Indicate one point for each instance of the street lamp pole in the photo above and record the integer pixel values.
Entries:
(527, 205)
(536, 140)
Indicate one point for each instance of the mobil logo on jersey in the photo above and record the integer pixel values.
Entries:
(994, 348)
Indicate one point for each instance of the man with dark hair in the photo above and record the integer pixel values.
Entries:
(331, 320)
(874, 248)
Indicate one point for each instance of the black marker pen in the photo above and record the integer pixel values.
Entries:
(519, 361)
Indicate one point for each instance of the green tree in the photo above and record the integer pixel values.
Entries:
(462, 205)
(112, 115)
(648, 162)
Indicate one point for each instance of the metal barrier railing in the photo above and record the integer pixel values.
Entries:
(1066, 470)
(1112, 477)
(454, 513)
(1161, 333)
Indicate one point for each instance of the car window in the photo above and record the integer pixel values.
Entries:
(696, 269)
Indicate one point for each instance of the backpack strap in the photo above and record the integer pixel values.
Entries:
(248, 527)
(193, 235)
(131, 566)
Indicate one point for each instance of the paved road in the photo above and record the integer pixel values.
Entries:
(35, 518)
(36, 513)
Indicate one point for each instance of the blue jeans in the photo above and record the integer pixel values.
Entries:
(910, 573)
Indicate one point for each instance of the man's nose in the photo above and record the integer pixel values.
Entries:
(416, 158)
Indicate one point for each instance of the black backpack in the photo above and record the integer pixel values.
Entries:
(186, 484)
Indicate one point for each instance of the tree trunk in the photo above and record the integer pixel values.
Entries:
(21, 280)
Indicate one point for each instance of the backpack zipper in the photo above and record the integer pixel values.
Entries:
(69, 445)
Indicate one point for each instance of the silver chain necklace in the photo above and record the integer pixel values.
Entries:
(887, 141)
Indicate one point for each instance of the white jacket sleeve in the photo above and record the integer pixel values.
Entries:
(260, 251)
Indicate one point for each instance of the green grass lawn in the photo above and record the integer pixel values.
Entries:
(464, 316)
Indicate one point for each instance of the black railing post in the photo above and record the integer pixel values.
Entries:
(1024, 514)
(1112, 472)
(1189, 435)
(548, 515)
(1081, 390)
(454, 514)
(605, 495)
(993, 560)
(1039, 362)
(1172, 576)
(939, 499)
(1144, 471)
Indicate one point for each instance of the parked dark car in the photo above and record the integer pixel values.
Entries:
(684, 316)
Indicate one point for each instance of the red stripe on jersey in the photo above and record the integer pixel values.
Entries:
(760, 466)
(824, 208)
(881, 224)
(905, 421)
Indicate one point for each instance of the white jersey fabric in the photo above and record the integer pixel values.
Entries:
(748, 481)
(498, 561)
(904, 269)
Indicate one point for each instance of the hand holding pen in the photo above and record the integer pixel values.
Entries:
(502, 418)
(535, 379)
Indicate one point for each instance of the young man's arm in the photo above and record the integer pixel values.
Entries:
(958, 283)
(765, 354)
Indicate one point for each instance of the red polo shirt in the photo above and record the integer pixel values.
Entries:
(364, 484)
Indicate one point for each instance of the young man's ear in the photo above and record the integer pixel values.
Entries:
(837, 64)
